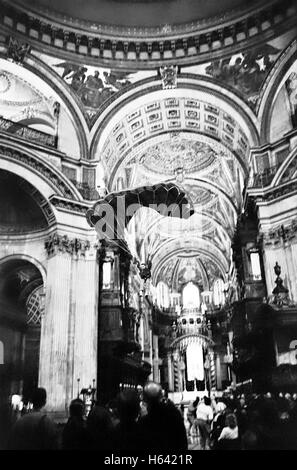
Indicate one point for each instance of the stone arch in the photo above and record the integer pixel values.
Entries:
(152, 87)
(183, 342)
(21, 293)
(290, 161)
(270, 89)
(67, 97)
(48, 179)
(221, 263)
(28, 258)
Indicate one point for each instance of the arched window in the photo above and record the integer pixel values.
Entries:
(35, 309)
(255, 265)
(191, 296)
(1, 352)
(218, 292)
(163, 297)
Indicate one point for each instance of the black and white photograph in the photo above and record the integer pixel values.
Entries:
(148, 228)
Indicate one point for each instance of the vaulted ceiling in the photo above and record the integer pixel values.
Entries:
(145, 13)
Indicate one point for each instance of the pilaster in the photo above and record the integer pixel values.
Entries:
(68, 348)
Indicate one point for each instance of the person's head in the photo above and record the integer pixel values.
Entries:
(39, 398)
(128, 405)
(242, 402)
(196, 401)
(96, 74)
(152, 393)
(99, 421)
(77, 408)
(231, 421)
(206, 400)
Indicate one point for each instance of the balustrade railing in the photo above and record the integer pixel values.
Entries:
(28, 133)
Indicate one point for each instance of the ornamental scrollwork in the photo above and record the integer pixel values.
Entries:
(280, 234)
(63, 244)
(169, 76)
(17, 51)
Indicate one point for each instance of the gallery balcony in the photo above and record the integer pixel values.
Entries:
(27, 133)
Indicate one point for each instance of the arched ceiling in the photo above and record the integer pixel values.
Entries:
(20, 100)
(195, 140)
(22, 208)
(139, 126)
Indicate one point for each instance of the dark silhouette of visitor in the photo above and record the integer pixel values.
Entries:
(99, 428)
(75, 435)
(162, 429)
(126, 435)
(35, 430)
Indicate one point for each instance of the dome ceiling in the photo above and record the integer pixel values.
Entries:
(139, 13)
(172, 154)
(20, 100)
(182, 268)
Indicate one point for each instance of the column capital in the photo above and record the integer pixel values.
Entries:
(76, 247)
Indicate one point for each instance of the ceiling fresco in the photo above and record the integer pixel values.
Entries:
(246, 71)
(181, 269)
(93, 85)
(176, 153)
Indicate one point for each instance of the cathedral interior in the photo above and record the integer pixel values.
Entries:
(100, 97)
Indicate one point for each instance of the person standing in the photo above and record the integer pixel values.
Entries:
(204, 415)
(74, 435)
(35, 430)
(191, 415)
(162, 428)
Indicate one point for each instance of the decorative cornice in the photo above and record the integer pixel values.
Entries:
(280, 234)
(273, 194)
(42, 168)
(69, 205)
(146, 48)
(76, 247)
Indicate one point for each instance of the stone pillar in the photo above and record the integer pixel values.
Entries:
(85, 312)
(170, 373)
(218, 372)
(68, 346)
(212, 369)
(156, 372)
(53, 365)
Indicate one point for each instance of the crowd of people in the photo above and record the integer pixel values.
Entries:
(152, 423)
(148, 423)
(244, 422)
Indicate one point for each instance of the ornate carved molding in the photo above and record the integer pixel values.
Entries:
(147, 46)
(35, 164)
(27, 133)
(63, 244)
(280, 234)
(69, 205)
(169, 76)
(17, 51)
